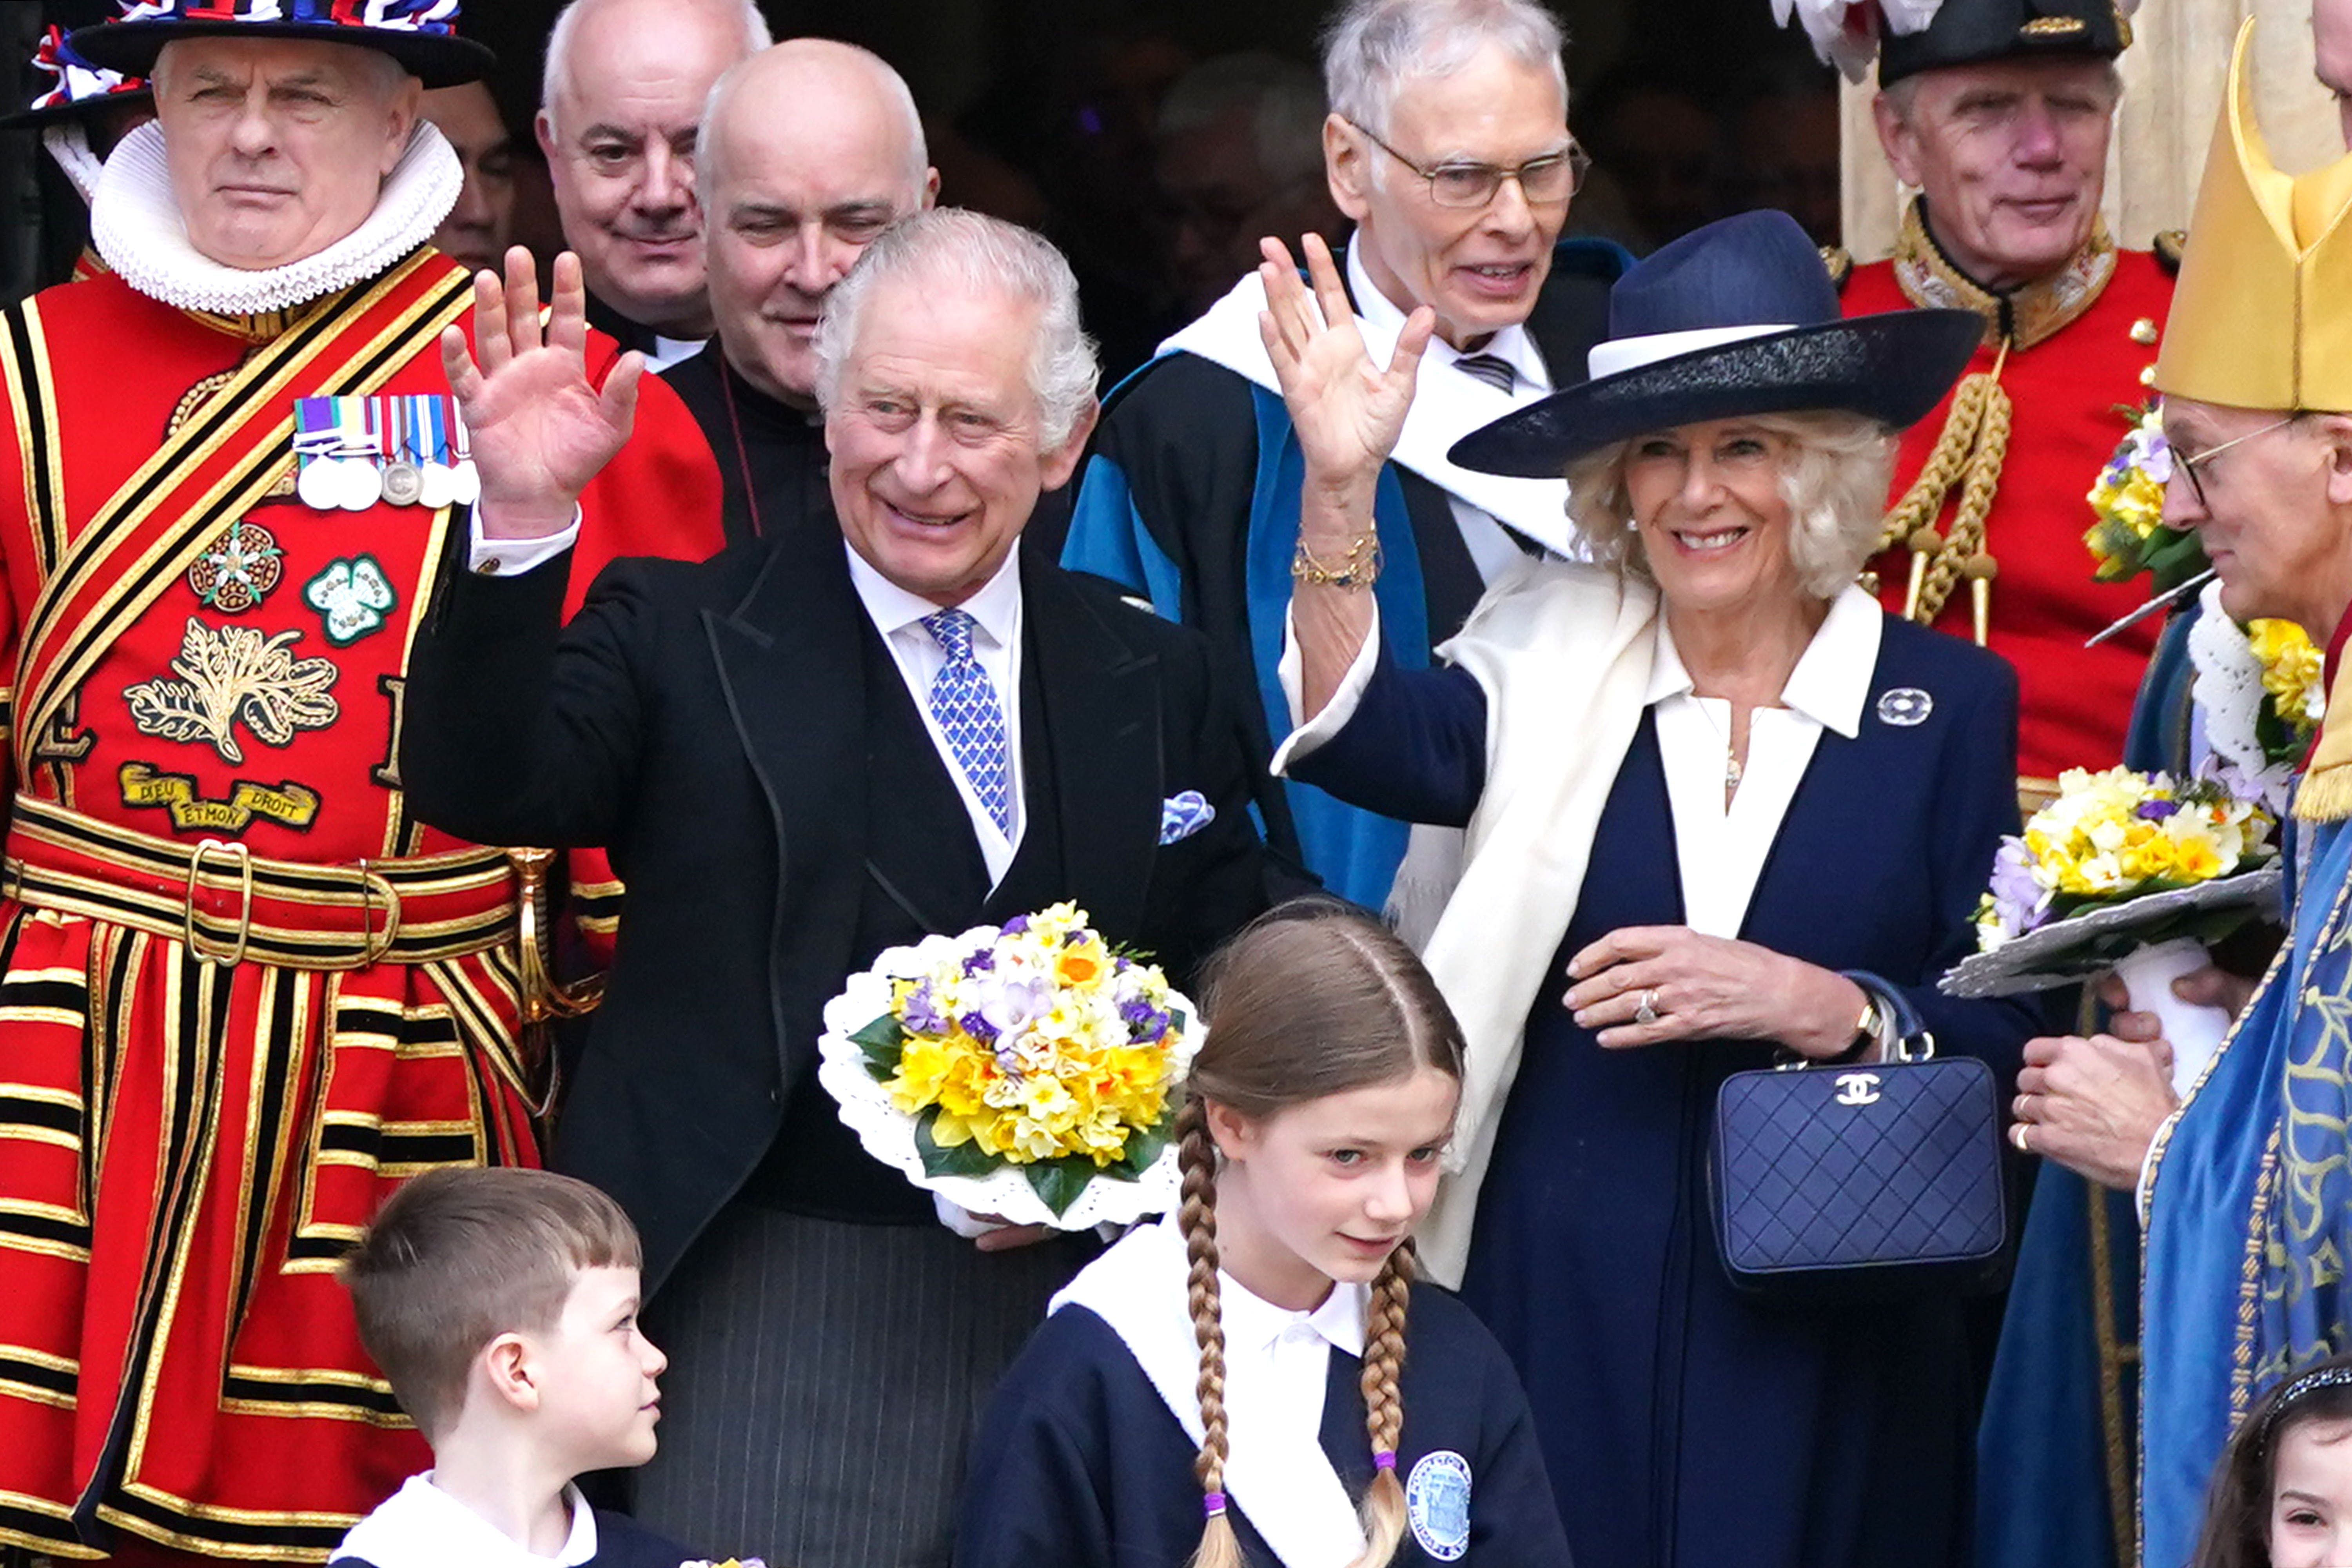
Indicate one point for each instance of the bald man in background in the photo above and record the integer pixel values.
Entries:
(810, 150)
(621, 107)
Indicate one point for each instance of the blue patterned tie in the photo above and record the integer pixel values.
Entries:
(964, 700)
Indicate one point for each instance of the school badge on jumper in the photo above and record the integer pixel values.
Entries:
(1437, 1504)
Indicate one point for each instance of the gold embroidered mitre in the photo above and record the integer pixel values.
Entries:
(2261, 316)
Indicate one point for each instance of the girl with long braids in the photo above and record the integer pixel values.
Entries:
(1257, 1380)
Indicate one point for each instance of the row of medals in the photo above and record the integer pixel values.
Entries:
(355, 484)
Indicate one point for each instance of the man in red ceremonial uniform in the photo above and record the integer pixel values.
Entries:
(1999, 112)
(243, 991)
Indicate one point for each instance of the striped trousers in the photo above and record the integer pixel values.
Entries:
(824, 1381)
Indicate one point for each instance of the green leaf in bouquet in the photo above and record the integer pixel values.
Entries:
(883, 1041)
(1143, 1146)
(1059, 1181)
(965, 1159)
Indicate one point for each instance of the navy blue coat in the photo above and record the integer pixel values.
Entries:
(1683, 1425)
(1080, 1464)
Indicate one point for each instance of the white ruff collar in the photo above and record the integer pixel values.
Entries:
(69, 144)
(137, 228)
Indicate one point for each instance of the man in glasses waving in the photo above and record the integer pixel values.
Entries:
(1448, 147)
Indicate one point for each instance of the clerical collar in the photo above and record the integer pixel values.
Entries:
(772, 412)
(2024, 315)
(136, 225)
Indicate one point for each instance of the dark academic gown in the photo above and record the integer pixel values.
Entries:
(772, 455)
(1080, 1464)
(1683, 1425)
(1190, 499)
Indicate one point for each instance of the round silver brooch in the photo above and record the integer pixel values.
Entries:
(1905, 706)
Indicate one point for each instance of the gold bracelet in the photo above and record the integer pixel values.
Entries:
(1361, 568)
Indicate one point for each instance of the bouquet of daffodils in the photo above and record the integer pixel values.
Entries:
(2119, 865)
(2131, 536)
(1028, 1071)
(2114, 836)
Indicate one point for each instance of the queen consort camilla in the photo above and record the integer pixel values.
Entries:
(1717, 806)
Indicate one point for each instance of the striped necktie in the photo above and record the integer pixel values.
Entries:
(964, 702)
(1495, 372)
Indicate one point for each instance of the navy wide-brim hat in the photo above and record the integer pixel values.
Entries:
(422, 35)
(1735, 318)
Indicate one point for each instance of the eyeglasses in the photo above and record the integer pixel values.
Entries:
(1554, 177)
(2189, 466)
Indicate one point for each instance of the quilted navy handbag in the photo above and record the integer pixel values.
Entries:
(1852, 1182)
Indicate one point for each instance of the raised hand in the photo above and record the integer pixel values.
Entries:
(540, 431)
(1347, 411)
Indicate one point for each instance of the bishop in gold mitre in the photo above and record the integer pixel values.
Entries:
(2247, 1188)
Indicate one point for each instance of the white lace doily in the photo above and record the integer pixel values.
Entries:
(2228, 692)
(135, 222)
(888, 1134)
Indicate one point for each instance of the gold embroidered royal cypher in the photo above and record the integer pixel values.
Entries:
(233, 675)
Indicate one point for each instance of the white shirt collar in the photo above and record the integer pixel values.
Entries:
(995, 609)
(420, 1526)
(1512, 344)
(1251, 1323)
(1831, 679)
(136, 223)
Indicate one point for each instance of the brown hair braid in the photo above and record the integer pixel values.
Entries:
(1315, 998)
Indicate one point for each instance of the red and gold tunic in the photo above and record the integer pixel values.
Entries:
(243, 991)
(2077, 345)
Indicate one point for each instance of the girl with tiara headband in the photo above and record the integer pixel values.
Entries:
(1242, 1384)
(2282, 1496)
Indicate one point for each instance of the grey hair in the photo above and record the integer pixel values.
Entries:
(1373, 47)
(1904, 96)
(1284, 100)
(1834, 478)
(894, 88)
(953, 245)
(556, 74)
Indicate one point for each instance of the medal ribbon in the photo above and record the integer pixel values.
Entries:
(215, 468)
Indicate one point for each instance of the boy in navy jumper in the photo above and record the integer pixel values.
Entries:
(503, 1306)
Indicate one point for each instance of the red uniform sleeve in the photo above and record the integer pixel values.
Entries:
(660, 497)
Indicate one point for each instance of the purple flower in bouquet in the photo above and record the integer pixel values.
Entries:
(978, 962)
(1143, 1021)
(2158, 810)
(1017, 1003)
(976, 1025)
(1016, 925)
(921, 1011)
(2018, 901)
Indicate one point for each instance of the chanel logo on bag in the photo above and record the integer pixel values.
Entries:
(1857, 1089)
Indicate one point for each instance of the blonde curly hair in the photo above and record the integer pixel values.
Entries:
(1834, 471)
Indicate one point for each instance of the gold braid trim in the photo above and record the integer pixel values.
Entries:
(2325, 795)
(1968, 455)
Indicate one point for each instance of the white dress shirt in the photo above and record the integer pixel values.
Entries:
(995, 612)
(1492, 549)
(1720, 849)
(420, 1526)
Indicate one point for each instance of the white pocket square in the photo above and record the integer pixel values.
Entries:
(1182, 815)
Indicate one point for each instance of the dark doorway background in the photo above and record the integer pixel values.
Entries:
(1041, 110)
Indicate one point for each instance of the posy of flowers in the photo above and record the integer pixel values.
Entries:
(2116, 835)
(1034, 1046)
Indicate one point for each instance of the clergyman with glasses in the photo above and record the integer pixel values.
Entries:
(1448, 146)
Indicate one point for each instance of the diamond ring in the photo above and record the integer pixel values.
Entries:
(1647, 1013)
